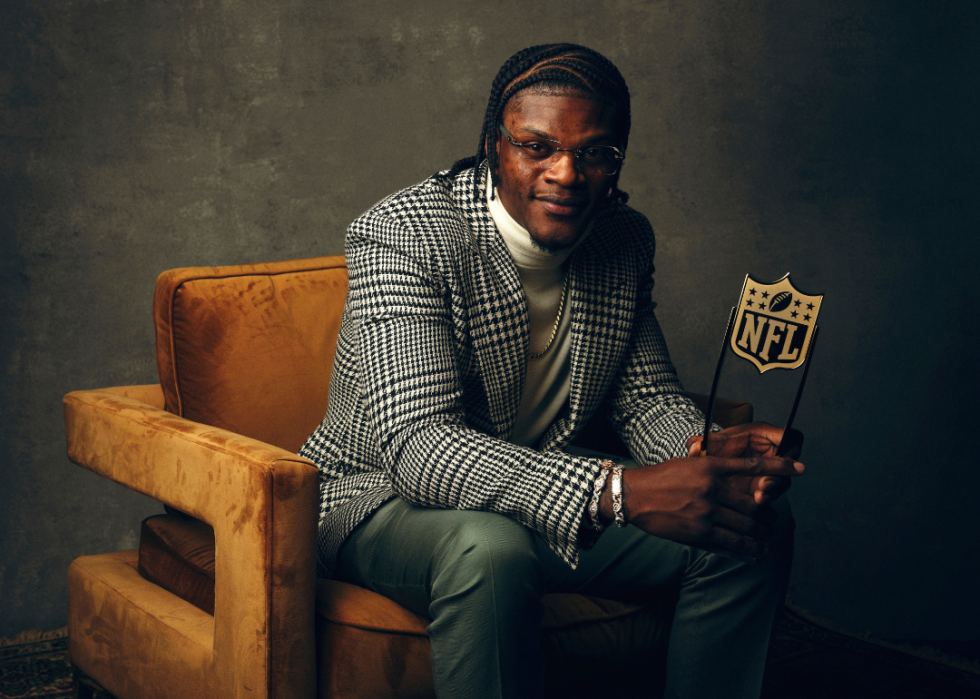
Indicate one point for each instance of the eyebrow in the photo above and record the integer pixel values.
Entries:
(535, 132)
(546, 137)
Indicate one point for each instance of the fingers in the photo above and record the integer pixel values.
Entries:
(731, 442)
(752, 527)
(772, 484)
(745, 504)
(755, 439)
(765, 431)
(736, 500)
(694, 447)
(757, 466)
(769, 488)
(773, 466)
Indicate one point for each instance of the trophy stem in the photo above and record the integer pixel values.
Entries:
(714, 384)
(788, 441)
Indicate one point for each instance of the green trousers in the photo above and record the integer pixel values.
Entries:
(480, 576)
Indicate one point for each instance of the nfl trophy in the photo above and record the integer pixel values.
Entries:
(774, 326)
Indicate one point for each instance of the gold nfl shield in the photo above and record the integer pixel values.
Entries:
(774, 324)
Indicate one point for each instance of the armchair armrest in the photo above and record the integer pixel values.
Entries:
(262, 503)
(151, 394)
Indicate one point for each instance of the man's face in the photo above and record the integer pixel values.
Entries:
(555, 200)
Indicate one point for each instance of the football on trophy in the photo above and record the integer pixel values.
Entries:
(780, 301)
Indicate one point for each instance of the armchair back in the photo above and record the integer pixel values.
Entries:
(249, 348)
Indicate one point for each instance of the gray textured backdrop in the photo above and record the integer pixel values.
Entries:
(833, 139)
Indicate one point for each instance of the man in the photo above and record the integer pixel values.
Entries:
(492, 311)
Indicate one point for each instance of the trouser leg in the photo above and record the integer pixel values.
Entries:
(725, 610)
(723, 622)
(476, 575)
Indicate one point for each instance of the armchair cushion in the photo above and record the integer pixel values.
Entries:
(177, 553)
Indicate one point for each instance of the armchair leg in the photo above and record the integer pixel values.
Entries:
(84, 687)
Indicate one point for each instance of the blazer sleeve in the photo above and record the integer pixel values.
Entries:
(401, 308)
(648, 408)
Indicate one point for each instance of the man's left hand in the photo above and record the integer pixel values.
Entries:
(755, 439)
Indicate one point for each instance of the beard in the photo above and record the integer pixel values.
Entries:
(553, 248)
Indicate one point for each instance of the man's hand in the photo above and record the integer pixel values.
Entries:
(693, 500)
(756, 439)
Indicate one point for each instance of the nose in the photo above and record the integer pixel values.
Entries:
(564, 170)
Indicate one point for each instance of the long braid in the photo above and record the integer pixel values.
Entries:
(567, 65)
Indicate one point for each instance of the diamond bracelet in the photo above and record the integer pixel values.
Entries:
(597, 487)
(617, 496)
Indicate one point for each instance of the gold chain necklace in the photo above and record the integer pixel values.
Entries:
(554, 330)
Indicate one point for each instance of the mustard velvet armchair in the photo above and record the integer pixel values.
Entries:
(244, 356)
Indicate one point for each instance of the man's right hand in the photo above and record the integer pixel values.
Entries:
(691, 500)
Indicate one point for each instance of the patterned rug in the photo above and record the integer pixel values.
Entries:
(35, 664)
(809, 660)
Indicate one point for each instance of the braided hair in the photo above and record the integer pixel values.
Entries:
(557, 66)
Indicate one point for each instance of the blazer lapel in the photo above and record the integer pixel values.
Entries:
(499, 326)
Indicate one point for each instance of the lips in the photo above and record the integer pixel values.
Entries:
(562, 206)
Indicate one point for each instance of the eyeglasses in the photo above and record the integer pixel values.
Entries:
(599, 160)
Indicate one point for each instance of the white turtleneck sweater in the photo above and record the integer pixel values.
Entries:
(542, 274)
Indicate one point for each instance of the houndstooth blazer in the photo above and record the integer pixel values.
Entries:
(431, 359)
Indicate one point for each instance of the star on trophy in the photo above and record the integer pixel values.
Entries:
(774, 326)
